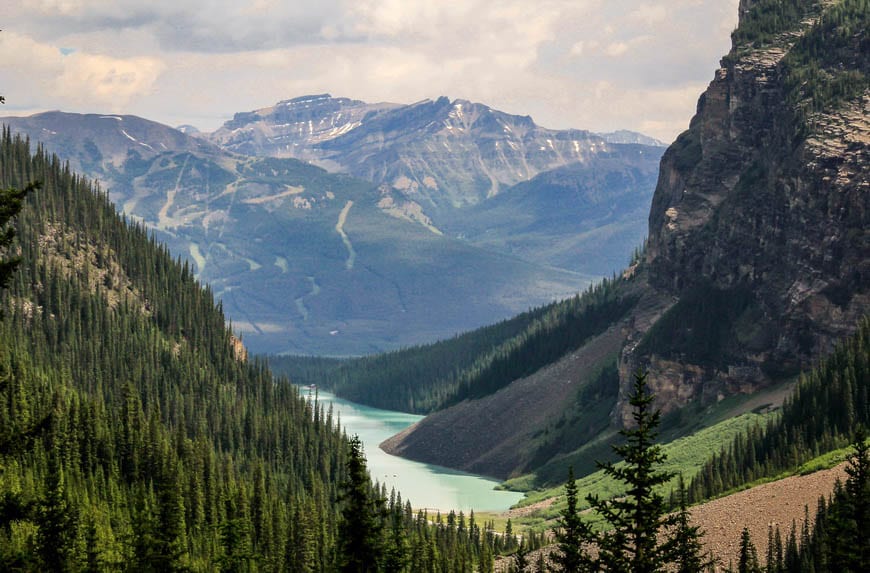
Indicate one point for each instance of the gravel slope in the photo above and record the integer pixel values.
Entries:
(722, 520)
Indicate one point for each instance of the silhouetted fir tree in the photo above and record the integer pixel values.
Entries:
(847, 515)
(748, 556)
(637, 519)
(360, 543)
(396, 550)
(773, 561)
(572, 534)
(858, 490)
(688, 551)
(510, 541)
(486, 561)
(11, 200)
(792, 559)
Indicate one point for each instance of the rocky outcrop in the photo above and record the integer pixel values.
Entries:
(759, 225)
(294, 127)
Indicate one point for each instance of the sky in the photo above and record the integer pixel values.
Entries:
(600, 65)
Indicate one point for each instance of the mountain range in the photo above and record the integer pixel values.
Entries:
(312, 262)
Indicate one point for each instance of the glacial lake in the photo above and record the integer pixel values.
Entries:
(425, 485)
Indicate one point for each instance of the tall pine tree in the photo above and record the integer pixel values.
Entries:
(361, 546)
(633, 544)
(572, 535)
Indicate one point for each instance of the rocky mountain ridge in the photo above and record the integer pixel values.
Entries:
(472, 172)
(759, 223)
(440, 154)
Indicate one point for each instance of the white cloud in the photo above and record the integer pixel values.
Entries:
(650, 14)
(199, 62)
(41, 72)
(616, 49)
(110, 81)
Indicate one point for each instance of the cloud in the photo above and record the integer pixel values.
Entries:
(199, 62)
(616, 49)
(650, 14)
(110, 81)
(42, 71)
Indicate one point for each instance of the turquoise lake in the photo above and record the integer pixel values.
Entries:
(425, 485)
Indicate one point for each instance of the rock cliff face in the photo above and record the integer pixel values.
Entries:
(293, 128)
(759, 233)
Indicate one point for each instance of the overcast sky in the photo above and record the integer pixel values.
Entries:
(589, 64)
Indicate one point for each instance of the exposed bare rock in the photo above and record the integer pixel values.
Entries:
(759, 231)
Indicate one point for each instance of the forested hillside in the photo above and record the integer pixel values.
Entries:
(129, 427)
(828, 405)
(135, 436)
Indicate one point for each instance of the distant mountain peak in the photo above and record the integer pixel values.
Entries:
(187, 129)
(629, 137)
(439, 153)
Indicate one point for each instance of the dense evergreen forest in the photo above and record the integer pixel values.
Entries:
(828, 405)
(426, 378)
(135, 436)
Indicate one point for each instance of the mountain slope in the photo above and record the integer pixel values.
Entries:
(583, 216)
(759, 225)
(301, 259)
(447, 165)
(129, 416)
(135, 435)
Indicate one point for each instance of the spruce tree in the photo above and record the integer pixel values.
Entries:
(11, 200)
(748, 560)
(688, 552)
(848, 513)
(57, 521)
(858, 489)
(638, 518)
(361, 546)
(572, 534)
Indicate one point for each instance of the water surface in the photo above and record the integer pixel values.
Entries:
(425, 485)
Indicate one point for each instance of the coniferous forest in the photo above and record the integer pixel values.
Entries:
(136, 436)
